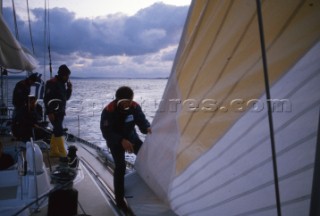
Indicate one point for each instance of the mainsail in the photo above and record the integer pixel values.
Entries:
(12, 54)
(210, 152)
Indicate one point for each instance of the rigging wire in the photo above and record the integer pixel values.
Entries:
(15, 20)
(49, 43)
(267, 86)
(30, 31)
(45, 39)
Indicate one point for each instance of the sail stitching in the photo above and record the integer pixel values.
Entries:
(257, 188)
(207, 93)
(254, 146)
(282, 127)
(231, 3)
(193, 37)
(231, 91)
(292, 146)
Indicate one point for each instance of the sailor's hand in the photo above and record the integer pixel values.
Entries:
(69, 84)
(149, 131)
(127, 145)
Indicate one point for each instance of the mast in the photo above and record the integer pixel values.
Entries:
(3, 83)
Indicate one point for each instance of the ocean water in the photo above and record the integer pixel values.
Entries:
(90, 96)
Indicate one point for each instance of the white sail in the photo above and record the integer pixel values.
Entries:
(210, 151)
(12, 54)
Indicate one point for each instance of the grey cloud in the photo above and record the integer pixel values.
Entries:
(168, 56)
(163, 23)
(147, 31)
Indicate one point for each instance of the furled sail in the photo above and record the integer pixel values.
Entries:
(210, 151)
(12, 54)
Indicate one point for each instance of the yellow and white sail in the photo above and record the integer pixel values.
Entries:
(210, 151)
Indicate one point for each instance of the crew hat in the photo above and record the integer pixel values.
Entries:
(124, 92)
(64, 70)
(35, 77)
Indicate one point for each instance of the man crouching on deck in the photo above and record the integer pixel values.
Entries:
(117, 124)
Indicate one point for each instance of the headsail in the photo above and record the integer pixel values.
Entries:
(210, 152)
(12, 54)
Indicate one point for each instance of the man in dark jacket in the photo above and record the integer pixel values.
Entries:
(57, 91)
(27, 123)
(21, 91)
(117, 124)
(20, 98)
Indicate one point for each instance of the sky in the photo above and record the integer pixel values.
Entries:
(103, 38)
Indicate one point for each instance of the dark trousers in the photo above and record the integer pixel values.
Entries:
(57, 124)
(118, 155)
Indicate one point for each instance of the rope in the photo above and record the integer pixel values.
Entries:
(266, 79)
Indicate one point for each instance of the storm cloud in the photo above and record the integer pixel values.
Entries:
(114, 45)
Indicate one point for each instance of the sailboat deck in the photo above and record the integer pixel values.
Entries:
(92, 200)
(95, 187)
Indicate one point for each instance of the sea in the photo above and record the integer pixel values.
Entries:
(90, 96)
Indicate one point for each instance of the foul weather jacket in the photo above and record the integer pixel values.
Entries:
(20, 94)
(116, 124)
(56, 96)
